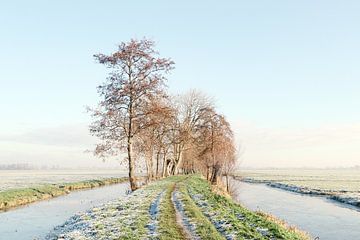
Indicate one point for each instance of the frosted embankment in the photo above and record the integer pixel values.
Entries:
(179, 207)
(343, 196)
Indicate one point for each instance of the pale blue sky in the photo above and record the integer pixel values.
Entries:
(270, 64)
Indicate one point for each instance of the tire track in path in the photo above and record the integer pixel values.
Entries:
(154, 215)
(189, 228)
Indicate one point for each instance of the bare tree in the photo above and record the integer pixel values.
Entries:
(136, 79)
(183, 135)
(189, 109)
(213, 129)
(230, 166)
(150, 142)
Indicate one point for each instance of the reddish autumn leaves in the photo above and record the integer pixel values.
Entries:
(135, 116)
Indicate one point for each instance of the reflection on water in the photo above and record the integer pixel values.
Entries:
(316, 215)
(36, 220)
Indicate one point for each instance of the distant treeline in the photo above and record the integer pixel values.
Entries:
(25, 166)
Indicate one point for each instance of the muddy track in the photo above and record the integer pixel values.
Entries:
(154, 215)
(189, 228)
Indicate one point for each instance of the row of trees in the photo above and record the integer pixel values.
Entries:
(170, 134)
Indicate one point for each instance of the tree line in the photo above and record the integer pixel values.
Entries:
(166, 134)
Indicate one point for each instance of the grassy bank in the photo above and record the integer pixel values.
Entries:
(17, 197)
(179, 207)
(233, 220)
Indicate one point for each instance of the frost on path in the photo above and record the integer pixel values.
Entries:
(154, 212)
(188, 226)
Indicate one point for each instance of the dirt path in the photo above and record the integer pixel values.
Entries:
(189, 228)
(154, 212)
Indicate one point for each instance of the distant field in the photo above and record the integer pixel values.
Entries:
(342, 185)
(11, 179)
(328, 180)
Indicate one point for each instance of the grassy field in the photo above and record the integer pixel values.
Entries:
(11, 179)
(23, 187)
(179, 207)
(340, 184)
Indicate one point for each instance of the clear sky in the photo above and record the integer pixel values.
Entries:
(286, 73)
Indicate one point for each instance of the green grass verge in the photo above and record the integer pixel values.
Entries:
(244, 223)
(17, 197)
(168, 227)
(204, 228)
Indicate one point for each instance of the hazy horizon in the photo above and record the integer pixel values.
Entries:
(285, 74)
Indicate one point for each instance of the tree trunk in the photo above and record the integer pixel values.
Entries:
(164, 166)
(149, 166)
(171, 168)
(157, 163)
(208, 173)
(214, 175)
(227, 183)
(147, 169)
(132, 179)
(178, 161)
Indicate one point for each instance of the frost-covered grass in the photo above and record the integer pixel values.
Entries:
(180, 207)
(342, 184)
(129, 217)
(203, 227)
(233, 221)
(330, 180)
